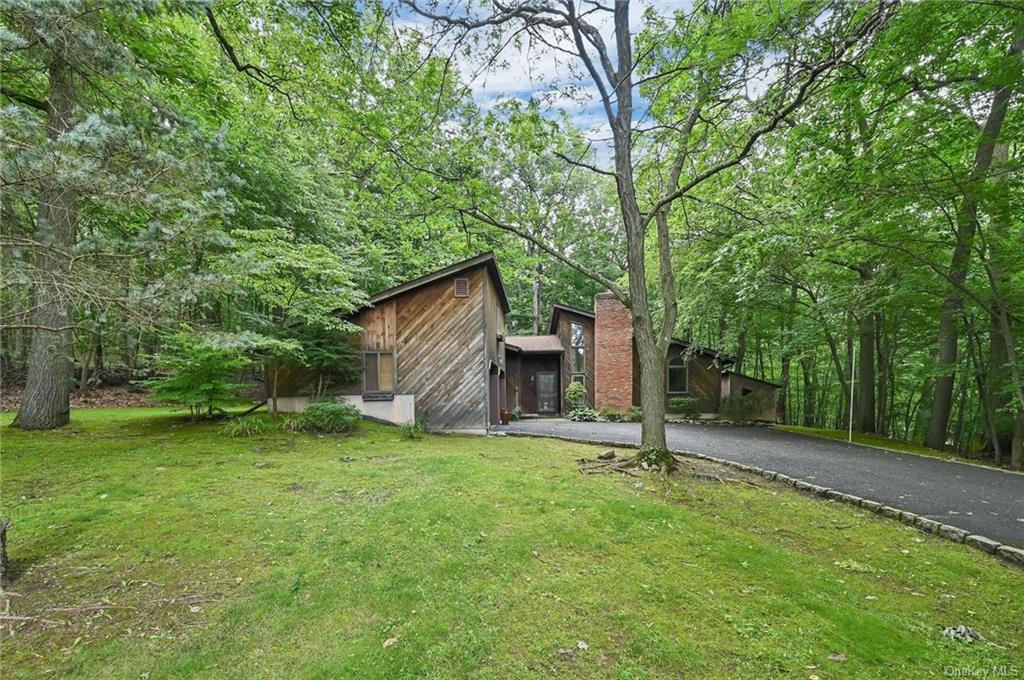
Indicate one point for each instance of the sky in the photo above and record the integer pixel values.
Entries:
(532, 70)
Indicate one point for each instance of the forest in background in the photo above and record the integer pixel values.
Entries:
(237, 171)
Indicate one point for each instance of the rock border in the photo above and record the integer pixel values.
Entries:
(1008, 553)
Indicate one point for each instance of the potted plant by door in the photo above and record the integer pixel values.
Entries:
(506, 416)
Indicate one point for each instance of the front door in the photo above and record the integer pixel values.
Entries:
(547, 392)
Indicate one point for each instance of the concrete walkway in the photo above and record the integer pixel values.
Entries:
(979, 500)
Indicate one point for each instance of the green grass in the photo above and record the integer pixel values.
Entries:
(162, 549)
(882, 442)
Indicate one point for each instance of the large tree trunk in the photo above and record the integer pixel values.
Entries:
(864, 420)
(1017, 445)
(1000, 245)
(652, 396)
(967, 226)
(865, 417)
(46, 403)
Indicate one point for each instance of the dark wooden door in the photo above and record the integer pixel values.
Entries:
(547, 392)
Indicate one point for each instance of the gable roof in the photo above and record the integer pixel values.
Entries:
(750, 377)
(486, 259)
(528, 344)
(557, 308)
(722, 357)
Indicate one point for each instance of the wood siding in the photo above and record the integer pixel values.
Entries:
(564, 331)
(440, 352)
(704, 379)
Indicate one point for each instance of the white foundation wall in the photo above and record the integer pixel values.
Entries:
(399, 410)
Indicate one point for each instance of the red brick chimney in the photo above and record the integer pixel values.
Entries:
(613, 353)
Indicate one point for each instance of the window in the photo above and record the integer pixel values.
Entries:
(378, 373)
(577, 349)
(678, 376)
(578, 377)
(461, 287)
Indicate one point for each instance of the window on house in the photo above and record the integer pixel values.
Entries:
(678, 376)
(577, 349)
(461, 287)
(378, 373)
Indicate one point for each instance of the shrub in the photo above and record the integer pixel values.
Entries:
(414, 429)
(517, 415)
(583, 415)
(633, 415)
(201, 374)
(612, 415)
(326, 416)
(685, 405)
(251, 426)
(739, 408)
(576, 395)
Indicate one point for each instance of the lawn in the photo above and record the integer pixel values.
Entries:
(148, 547)
(880, 442)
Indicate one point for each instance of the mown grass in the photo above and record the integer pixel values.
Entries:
(149, 547)
(880, 442)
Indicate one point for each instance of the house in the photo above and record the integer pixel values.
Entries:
(540, 367)
(597, 349)
(433, 347)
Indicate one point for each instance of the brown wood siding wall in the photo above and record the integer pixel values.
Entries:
(564, 328)
(440, 353)
(767, 395)
(704, 380)
(513, 388)
(494, 323)
(379, 326)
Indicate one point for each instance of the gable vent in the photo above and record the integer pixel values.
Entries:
(461, 287)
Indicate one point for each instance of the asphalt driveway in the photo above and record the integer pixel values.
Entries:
(977, 499)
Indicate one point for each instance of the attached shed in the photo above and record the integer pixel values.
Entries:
(763, 394)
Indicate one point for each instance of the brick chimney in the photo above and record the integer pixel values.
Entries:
(613, 353)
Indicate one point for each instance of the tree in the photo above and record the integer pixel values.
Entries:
(695, 69)
(84, 139)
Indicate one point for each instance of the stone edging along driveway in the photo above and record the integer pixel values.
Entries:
(1008, 553)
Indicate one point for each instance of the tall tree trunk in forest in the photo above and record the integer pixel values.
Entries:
(46, 403)
(865, 417)
(1017, 445)
(807, 370)
(982, 379)
(741, 350)
(997, 388)
(846, 371)
(967, 226)
(98, 348)
(787, 357)
(884, 367)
